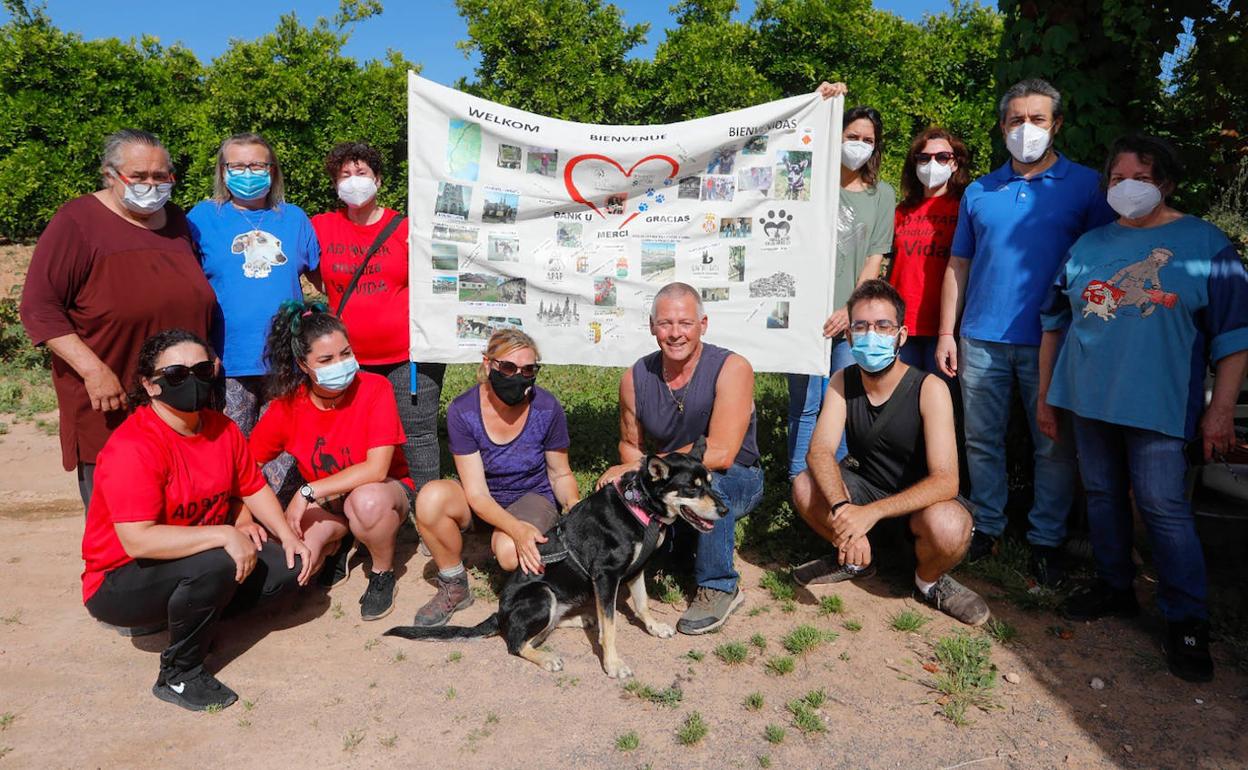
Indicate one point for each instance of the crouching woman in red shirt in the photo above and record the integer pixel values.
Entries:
(161, 543)
(342, 427)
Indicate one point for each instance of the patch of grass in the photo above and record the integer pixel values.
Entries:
(400, 656)
(853, 626)
(774, 733)
(455, 657)
(788, 606)
(491, 718)
(450, 693)
(12, 619)
(692, 730)
(371, 643)
(764, 760)
(27, 393)
(248, 705)
(486, 583)
(337, 611)
(627, 742)
(967, 675)
(665, 587)
(4, 750)
(1008, 569)
(779, 583)
(815, 698)
(831, 605)
(1002, 630)
(805, 638)
(754, 701)
(756, 611)
(567, 682)
(668, 697)
(805, 719)
(244, 722)
(759, 641)
(695, 656)
(215, 708)
(907, 621)
(844, 656)
(732, 653)
(388, 741)
(780, 665)
(6, 719)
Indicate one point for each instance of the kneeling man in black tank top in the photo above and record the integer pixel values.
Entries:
(902, 463)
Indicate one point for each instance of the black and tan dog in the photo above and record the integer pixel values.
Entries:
(605, 540)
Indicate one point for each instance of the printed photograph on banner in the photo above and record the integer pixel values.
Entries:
(542, 160)
(445, 284)
(778, 318)
(710, 223)
(658, 261)
(615, 204)
(755, 179)
(736, 264)
(718, 188)
(455, 233)
(776, 226)
(792, 175)
(483, 287)
(509, 156)
(502, 248)
(463, 150)
(755, 145)
(500, 207)
(714, 293)
(723, 160)
(454, 201)
(604, 292)
(690, 188)
(736, 227)
(478, 328)
(559, 314)
(779, 284)
(556, 268)
(445, 256)
(568, 234)
(707, 263)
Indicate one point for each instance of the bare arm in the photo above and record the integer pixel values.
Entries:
(524, 535)
(264, 506)
(149, 540)
(1217, 425)
(631, 436)
(829, 428)
(375, 468)
(562, 481)
(105, 390)
(1046, 416)
(952, 297)
(730, 416)
(870, 269)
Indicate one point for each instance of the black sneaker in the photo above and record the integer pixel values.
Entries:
(196, 691)
(1187, 650)
(1048, 565)
(827, 570)
(1099, 600)
(378, 599)
(337, 567)
(982, 545)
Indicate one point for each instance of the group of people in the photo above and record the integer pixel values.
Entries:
(1103, 302)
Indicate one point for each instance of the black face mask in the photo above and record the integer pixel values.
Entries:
(191, 395)
(512, 390)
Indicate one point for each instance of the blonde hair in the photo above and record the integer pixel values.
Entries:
(276, 195)
(501, 343)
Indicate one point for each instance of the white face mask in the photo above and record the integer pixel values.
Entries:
(1027, 143)
(932, 175)
(855, 153)
(1133, 199)
(146, 202)
(357, 190)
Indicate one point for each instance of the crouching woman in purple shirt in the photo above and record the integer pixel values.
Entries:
(510, 442)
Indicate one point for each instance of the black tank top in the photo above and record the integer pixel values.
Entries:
(885, 442)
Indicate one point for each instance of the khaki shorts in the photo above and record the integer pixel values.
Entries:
(537, 510)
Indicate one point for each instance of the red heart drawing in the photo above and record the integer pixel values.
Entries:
(576, 194)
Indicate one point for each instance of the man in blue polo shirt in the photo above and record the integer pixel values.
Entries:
(1014, 228)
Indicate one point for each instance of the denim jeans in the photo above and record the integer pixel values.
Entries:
(988, 371)
(805, 399)
(741, 489)
(920, 352)
(1113, 458)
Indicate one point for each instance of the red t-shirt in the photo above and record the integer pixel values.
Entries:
(325, 441)
(149, 472)
(922, 235)
(376, 315)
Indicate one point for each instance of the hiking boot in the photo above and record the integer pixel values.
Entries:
(1098, 600)
(955, 600)
(378, 599)
(827, 570)
(1187, 650)
(982, 545)
(196, 690)
(337, 566)
(709, 610)
(453, 595)
(1048, 565)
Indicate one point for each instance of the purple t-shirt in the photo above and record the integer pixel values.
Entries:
(517, 468)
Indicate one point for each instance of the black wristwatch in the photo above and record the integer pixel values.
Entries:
(838, 506)
(306, 492)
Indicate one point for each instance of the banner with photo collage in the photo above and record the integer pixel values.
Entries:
(567, 230)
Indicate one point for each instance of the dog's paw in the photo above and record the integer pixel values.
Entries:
(661, 630)
(553, 663)
(617, 669)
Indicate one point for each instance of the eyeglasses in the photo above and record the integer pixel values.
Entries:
(883, 326)
(940, 157)
(144, 182)
(176, 374)
(235, 169)
(508, 369)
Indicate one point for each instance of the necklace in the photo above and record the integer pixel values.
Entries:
(255, 225)
(680, 402)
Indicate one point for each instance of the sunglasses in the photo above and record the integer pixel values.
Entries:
(940, 157)
(176, 374)
(508, 369)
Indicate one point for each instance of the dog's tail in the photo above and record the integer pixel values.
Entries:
(487, 627)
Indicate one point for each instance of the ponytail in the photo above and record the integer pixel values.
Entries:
(295, 326)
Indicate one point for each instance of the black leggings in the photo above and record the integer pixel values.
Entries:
(190, 594)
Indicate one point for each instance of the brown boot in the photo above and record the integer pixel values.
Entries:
(453, 595)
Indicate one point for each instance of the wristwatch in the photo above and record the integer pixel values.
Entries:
(306, 492)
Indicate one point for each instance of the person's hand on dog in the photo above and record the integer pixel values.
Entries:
(526, 537)
(851, 523)
(613, 473)
(242, 551)
(294, 514)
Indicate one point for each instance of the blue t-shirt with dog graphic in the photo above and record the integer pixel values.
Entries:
(253, 259)
(1145, 312)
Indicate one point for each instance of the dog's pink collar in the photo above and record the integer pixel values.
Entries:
(630, 499)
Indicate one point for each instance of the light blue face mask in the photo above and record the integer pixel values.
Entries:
(874, 352)
(337, 376)
(249, 185)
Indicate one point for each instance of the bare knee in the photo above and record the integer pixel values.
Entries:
(504, 549)
(370, 505)
(808, 499)
(947, 525)
(436, 501)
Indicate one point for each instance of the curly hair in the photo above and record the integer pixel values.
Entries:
(150, 353)
(295, 326)
(912, 190)
(350, 152)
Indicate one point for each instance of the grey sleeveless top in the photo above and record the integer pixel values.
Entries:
(666, 424)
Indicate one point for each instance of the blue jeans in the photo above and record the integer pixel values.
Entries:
(740, 488)
(988, 371)
(920, 352)
(805, 399)
(1113, 458)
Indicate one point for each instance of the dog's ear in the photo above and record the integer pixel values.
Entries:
(241, 241)
(657, 468)
(699, 449)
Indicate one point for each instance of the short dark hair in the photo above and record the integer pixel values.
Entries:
(1156, 152)
(349, 152)
(870, 170)
(877, 289)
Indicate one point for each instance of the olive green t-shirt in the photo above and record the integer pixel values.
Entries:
(864, 227)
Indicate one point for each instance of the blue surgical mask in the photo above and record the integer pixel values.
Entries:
(337, 376)
(874, 352)
(249, 185)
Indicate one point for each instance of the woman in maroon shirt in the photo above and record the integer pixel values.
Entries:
(111, 269)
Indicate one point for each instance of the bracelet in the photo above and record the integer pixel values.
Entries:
(945, 334)
(838, 506)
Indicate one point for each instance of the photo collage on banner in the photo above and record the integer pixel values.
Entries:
(567, 230)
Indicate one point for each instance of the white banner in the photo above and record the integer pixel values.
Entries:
(567, 230)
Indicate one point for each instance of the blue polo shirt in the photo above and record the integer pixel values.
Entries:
(1016, 232)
